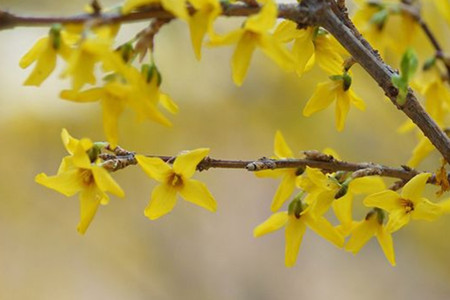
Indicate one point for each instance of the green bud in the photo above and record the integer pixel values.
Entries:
(409, 64)
(149, 71)
(55, 36)
(347, 79)
(381, 215)
(126, 51)
(342, 191)
(379, 18)
(95, 151)
(295, 208)
(429, 63)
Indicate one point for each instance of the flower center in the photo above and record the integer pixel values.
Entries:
(86, 176)
(407, 204)
(175, 180)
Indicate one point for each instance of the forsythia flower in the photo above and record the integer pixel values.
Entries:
(113, 97)
(372, 225)
(202, 21)
(338, 89)
(254, 33)
(174, 180)
(385, 26)
(94, 48)
(44, 53)
(77, 174)
(310, 45)
(405, 206)
(444, 8)
(287, 185)
(296, 220)
(177, 7)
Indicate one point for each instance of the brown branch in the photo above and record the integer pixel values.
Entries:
(326, 163)
(332, 18)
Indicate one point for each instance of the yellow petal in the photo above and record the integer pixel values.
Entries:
(319, 179)
(105, 182)
(130, 5)
(342, 208)
(283, 192)
(164, 198)
(274, 222)
(198, 24)
(366, 185)
(196, 192)
(168, 103)
(387, 200)
(355, 100)
(177, 7)
(303, 51)
(68, 183)
(69, 142)
(323, 228)
(361, 234)
(426, 210)
(413, 190)
(385, 240)
(281, 148)
(422, 150)
(90, 199)
(342, 109)
(277, 52)
(90, 95)
(112, 108)
(34, 53)
(320, 202)
(295, 230)
(45, 65)
(242, 56)
(186, 163)
(265, 19)
(322, 97)
(286, 31)
(155, 167)
(397, 219)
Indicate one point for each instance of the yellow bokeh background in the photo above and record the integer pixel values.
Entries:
(192, 253)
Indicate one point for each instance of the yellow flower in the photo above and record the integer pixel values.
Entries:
(385, 26)
(363, 231)
(405, 206)
(44, 53)
(176, 7)
(254, 33)
(338, 89)
(287, 185)
(296, 221)
(145, 95)
(113, 97)
(77, 174)
(174, 180)
(310, 45)
(423, 148)
(94, 48)
(206, 11)
(444, 8)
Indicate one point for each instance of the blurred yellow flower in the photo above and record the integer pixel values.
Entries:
(206, 11)
(444, 8)
(338, 89)
(287, 185)
(296, 220)
(405, 206)
(78, 174)
(44, 53)
(176, 7)
(363, 231)
(174, 180)
(254, 33)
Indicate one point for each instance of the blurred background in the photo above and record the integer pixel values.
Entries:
(192, 253)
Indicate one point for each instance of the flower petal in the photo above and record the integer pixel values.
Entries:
(361, 234)
(342, 109)
(414, 188)
(196, 192)
(322, 97)
(68, 183)
(105, 182)
(162, 201)
(385, 240)
(34, 53)
(284, 191)
(295, 230)
(281, 148)
(387, 200)
(342, 208)
(426, 210)
(242, 56)
(397, 219)
(274, 222)
(366, 185)
(155, 167)
(323, 228)
(90, 199)
(186, 163)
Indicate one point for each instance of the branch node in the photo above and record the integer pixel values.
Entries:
(317, 155)
(263, 163)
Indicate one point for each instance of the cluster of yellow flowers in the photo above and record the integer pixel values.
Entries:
(383, 23)
(318, 192)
